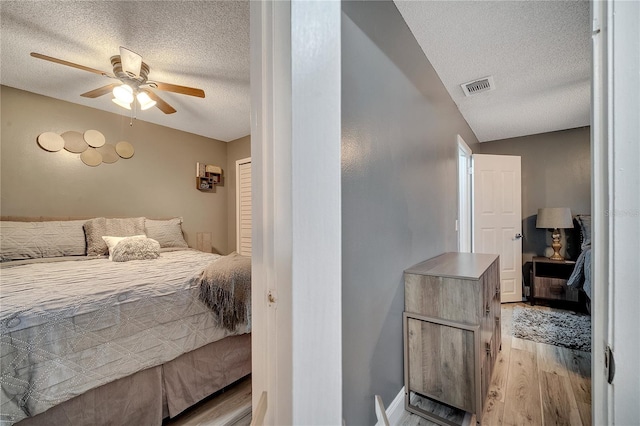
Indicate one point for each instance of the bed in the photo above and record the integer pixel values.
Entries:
(88, 340)
(581, 276)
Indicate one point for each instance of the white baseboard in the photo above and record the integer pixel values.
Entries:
(395, 409)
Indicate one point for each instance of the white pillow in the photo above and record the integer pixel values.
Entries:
(112, 242)
(136, 249)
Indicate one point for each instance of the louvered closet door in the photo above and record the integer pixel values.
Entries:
(243, 197)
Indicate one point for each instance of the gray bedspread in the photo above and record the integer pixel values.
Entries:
(66, 327)
(581, 275)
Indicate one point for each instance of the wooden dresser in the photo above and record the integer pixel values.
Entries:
(451, 331)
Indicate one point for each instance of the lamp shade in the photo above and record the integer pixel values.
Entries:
(123, 93)
(122, 104)
(554, 217)
(145, 101)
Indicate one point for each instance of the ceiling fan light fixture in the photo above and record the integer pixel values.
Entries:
(122, 104)
(123, 93)
(131, 73)
(145, 101)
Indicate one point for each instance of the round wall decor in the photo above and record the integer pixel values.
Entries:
(124, 149)
(91, 157)
(74, 142)
(90, 145)
(50, 141)
(94, 138)
(108, 153)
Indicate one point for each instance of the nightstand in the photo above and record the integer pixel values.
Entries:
(550, 280)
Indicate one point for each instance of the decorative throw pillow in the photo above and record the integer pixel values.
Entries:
(34, 240)
(112, 242)
(95, 229)
(132, 248)
(167, 232)
(585, 229)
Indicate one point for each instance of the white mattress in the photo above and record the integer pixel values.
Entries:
(66, 327)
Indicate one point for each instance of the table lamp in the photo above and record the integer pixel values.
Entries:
(554, 218)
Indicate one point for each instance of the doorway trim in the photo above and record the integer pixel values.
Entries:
(615, 209)
(599, 202)
(296, 209)
(464, 224)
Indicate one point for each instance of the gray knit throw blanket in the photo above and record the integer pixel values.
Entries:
(225, 286)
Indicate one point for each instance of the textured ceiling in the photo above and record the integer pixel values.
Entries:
(537, 51)
(203, 44)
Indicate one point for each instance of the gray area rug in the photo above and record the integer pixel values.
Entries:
(560, 328)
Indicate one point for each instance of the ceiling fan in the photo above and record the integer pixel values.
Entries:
(132, 74)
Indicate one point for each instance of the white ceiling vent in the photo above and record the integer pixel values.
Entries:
(478, 86)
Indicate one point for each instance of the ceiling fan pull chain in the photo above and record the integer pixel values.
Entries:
(135, 110)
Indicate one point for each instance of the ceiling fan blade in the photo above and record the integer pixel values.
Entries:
(161, 104)
(131, 62)
(191, 91)
(100, 91)
(67, 63)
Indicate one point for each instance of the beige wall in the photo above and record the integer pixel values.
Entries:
(556, 172)
(236, 150)
(159, 181)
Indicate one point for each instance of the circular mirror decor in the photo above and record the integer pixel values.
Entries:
(108, 152)
(94, 138)
(74, 142)
(91, 157)
(124, 149)
(50, 141)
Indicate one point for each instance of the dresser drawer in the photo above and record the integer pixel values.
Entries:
(554, 289)
(445, 370)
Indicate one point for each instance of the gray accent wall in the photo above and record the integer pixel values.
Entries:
(399, 192)
(236, 150)
(158, 181)
(556, 172)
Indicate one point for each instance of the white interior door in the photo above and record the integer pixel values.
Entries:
(497, 217)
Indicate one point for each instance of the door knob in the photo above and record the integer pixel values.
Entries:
(518, 236)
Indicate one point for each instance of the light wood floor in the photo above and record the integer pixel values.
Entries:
(229, 407)
(533, 384)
